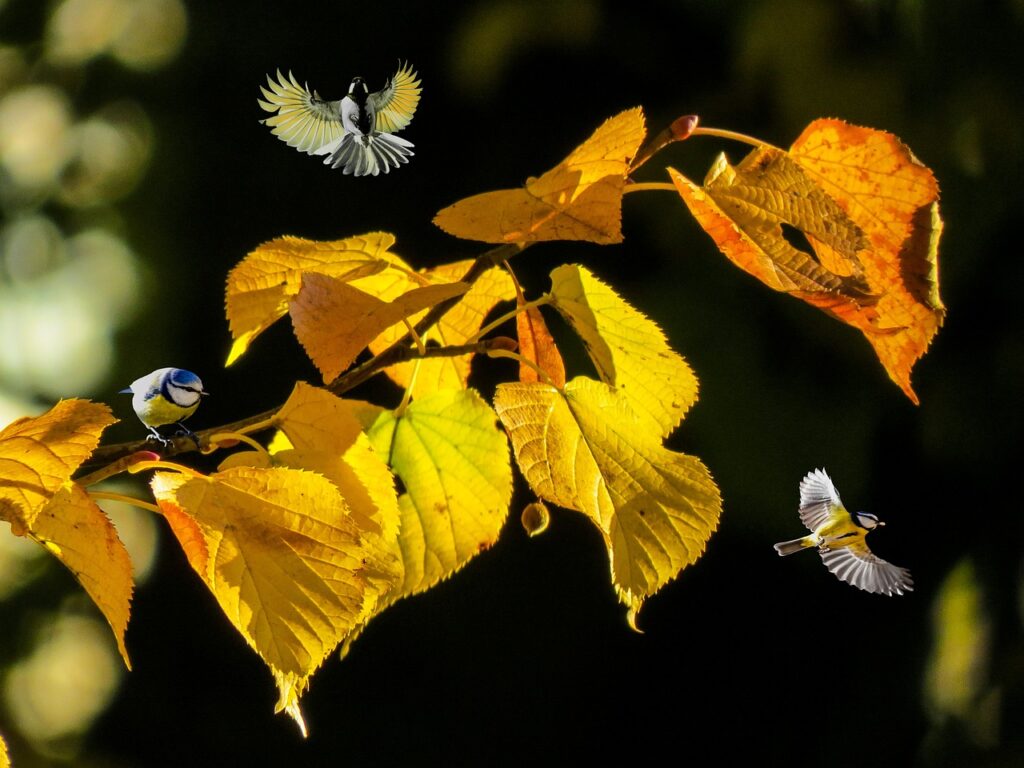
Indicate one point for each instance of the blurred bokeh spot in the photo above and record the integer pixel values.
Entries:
(495, 33)
(141, 34)
(956, 681)
(18, 561)
(55, 692)
(35, 138)
(70, 280)
(61, 303)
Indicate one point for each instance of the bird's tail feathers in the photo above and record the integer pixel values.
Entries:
(369, 155)
(789, 547)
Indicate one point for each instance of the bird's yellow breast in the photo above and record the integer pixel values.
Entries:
(839, 530)
(158, 410)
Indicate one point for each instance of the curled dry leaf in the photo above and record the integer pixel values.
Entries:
(868, 209)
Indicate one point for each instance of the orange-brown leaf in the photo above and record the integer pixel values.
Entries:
(536, 344)
(893, 198)
(868, 210)
(579, 199)
(335, 322)
(261, 285)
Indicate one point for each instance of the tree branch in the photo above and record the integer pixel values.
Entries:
(399, 352)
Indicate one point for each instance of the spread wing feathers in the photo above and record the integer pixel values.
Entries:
(818, 497)
(858, 566)
(303, 120)
(369, 155)
(395, 103)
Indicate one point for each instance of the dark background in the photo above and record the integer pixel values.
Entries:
(525, 656)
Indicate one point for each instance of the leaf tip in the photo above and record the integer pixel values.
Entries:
(238, 348)
(631, 619)
(295, 714)
(290, 688)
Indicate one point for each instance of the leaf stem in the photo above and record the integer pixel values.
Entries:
(220, 437)
(646, 186)
(111, 496)
(407, 395)
(519, 308)
(123, 464)
(523, 361)
(722, 133)
(415, 336)
(142, 466)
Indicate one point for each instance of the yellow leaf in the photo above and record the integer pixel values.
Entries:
(320, 432)
(323, 435)
(245, 459)
(80, 535)
(453, 461)
(586, 449)
(335, 322)
(536, 344)
(579, 199)
(260, 287)
(628, 349)
(5, 761)
(37, 458)
(38, 455)
(458, 325)
(869, 212)
(282, 556)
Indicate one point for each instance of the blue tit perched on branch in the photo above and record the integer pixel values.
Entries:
(356, 132)
(166, 396)
(840, 539)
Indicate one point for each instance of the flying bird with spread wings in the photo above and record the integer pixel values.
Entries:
(356, 132)
(839, 537)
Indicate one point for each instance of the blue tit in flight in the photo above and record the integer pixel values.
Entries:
(356, 133)
(840, 539)
(166, 396)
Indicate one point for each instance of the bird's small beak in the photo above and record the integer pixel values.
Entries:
(204, 393)
(125, 391)
(881, 522)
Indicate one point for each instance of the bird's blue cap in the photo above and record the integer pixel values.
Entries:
(182, 378)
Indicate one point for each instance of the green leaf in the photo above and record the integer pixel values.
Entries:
(453, 460)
